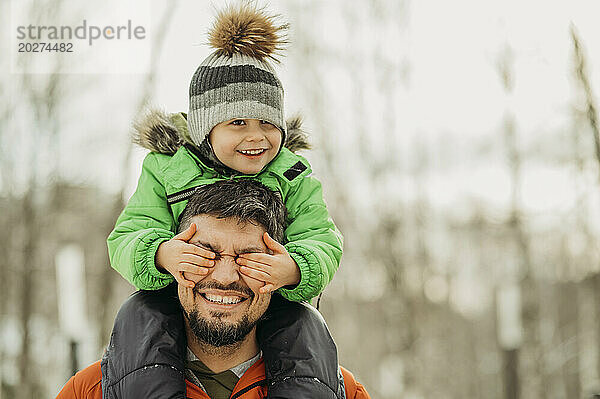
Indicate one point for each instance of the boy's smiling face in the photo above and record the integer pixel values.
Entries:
(245, 145)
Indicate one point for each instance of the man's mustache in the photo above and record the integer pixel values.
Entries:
(218, 286)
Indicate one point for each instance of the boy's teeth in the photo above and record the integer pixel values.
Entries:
(251, 152)
(228, 300)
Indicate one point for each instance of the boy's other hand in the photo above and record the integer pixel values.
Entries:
(276, 270)
(177, 256)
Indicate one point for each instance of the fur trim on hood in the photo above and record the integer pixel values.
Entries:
(156, 131)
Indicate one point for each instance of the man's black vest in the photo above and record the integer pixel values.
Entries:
(146, 354)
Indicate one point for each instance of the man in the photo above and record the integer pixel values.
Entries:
(218, 315)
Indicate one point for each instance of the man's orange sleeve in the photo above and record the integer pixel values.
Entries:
(84, 385)
(354, 389)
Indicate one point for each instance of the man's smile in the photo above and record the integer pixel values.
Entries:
(227, 300)
(222, 298)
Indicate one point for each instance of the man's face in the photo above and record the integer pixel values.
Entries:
(225, 305)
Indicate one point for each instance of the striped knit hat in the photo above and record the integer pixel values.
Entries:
(237, 79)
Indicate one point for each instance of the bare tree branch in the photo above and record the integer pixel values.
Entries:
(582, 75)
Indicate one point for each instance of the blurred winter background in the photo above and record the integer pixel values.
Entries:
(459, 151)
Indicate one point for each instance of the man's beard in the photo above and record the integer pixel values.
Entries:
(218, 333)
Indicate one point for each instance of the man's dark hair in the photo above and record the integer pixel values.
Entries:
(244, 199)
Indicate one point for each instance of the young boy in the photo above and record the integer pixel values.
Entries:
(235, 128)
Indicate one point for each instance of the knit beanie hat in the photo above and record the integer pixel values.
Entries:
(237, 80)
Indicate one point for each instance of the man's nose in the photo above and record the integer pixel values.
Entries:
(225, 270)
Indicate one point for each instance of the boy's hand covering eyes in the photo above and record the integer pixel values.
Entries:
(276, 270)
(188, 263)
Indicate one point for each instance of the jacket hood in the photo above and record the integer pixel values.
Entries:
(164, 133)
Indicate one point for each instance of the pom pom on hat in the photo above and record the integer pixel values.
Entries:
(246, 29)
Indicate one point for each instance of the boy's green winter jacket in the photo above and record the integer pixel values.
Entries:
(168, 178)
